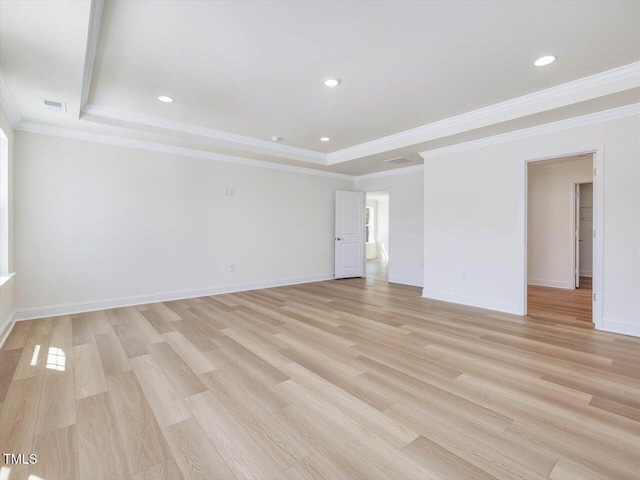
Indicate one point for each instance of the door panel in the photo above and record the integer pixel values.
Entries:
(349, 234)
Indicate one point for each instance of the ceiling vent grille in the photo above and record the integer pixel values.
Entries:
(58, 107)
(398, 160)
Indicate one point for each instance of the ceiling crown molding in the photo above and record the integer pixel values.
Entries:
(170, 149)
(255, 144)
(388, 173)
(95, 20)
(600, 84)
(8, 104)
(598, 117)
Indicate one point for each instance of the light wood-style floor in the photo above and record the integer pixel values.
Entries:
(341, 379)
(561, 303)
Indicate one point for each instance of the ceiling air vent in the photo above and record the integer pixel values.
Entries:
(398, 160)
(58, 107)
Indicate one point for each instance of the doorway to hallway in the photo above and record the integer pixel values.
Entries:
(377, 235)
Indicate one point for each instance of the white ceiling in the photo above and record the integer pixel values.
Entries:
(241, 72)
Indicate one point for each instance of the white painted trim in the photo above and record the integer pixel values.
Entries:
(414, 282)
(95, 20)
(598, 117)
(257, 144)
(620, 326)
(544, 282)
(170, 149)
(8, 104)
(472, 301)
(395, 171)
(90, 306)
(594, 86)
(600, 84)
(6, 328)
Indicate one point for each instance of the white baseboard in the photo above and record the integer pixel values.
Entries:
(81, 307)
(6, 328)
(414, 282)
(472, 301)
(542, 282)
(586, 273)
(620, 326)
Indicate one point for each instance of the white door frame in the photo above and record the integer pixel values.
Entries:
(598, 223)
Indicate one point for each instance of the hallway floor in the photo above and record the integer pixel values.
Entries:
(569, 306)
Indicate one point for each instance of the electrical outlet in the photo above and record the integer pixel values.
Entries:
(232, 268)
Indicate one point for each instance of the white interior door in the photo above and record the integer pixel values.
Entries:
(576, 235)
(349, 239)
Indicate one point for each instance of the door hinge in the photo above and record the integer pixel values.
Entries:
(594, 171)
(594, 234)
(594, 297)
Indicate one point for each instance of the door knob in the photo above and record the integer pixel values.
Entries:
(338, 238)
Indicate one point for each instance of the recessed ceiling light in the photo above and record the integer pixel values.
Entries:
(275, 138)
(546, 60)
(324, 139)
(331, 82)
(165, 99)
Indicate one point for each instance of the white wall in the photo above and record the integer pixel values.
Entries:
(551, 219)
(7, 287)
(474, 219)
(97, 222)
(406, 204)
(586, 230)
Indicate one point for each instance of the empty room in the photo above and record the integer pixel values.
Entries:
(335, 240)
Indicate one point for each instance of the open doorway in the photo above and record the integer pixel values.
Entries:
(377, 234)
(560, 248)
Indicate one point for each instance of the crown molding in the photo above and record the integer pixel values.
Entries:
(604, 83)
(388, 173)
(592, 118)
(39, 128)
(95, 20)
(256, 144)
(8, 104)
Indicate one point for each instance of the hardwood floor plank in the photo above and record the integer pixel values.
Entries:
(194, 453)
(196, 360)
(57, 452)
(18, 335)
(167, 405)
(89, 374)
(100, 450)
(8, 363)
(41, 326)
(184, 380)
(282, 445)
(112, 355)
(34, 357)
(245, 457)
(163, 471)
(57, 401)
(442, 461)
(311, 467)
(18, 420)
(142, 438)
